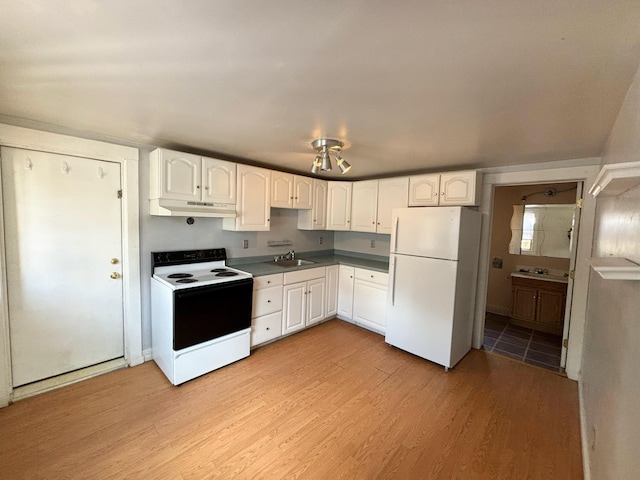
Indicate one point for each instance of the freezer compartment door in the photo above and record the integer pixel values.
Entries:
(426, 232)
(420, 306)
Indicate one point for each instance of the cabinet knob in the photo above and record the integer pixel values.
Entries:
(267, 328)
(198, 187)
(371, 276)
(268, 301)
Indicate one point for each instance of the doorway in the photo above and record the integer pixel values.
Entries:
(63, 231)
(525, 311)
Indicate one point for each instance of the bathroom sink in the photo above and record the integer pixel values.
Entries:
(541, 276)
(297, 262)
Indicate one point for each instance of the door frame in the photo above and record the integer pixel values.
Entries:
(28, 139)
(580, 170)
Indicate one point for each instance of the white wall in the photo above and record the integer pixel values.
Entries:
(610, 386)
(173, 233)
(360, 242)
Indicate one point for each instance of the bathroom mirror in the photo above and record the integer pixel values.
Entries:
(542, 230)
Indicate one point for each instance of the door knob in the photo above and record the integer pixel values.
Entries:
(115, 275)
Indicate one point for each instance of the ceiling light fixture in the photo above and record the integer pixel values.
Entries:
(324, 146)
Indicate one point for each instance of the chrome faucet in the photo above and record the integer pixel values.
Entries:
(290, 256)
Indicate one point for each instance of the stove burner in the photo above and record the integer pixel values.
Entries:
(180, 275)
(226, 274)
(218, 270)
(186, 280)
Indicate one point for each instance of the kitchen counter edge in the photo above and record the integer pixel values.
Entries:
(258, 269)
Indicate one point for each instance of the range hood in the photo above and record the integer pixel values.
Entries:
(183, 208)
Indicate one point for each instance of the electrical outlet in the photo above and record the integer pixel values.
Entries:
(373, 244)
(245, 244)
(321, 239)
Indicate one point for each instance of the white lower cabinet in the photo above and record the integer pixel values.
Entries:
(370, 299)
(303, 299)
(266, 313)
(332, 278)
(345, 292)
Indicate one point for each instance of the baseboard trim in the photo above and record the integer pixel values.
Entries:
(505, 312)
(147, 354)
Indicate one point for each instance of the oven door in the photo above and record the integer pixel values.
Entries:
(204, 313)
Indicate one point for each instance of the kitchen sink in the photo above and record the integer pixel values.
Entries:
(296, 262)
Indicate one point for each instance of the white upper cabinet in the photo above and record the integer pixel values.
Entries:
(219, 180)
(303, 192)
(316, 218)
(254, 200)
(291, 191)
(364, 206)
(424, 190)
(373, 200)
(175, 175)
(183, 176)
(392, 193)
(339, 206)
(453, 188)
(460, 188)
(281, 189)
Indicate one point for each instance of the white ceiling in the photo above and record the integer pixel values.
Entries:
(408, 85)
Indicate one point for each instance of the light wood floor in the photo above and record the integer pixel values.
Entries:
(331, 402)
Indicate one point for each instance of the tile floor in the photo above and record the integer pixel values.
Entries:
(530, 346)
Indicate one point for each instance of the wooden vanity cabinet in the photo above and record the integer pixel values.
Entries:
(538, 304)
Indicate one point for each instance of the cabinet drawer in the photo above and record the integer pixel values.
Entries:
(266, 328)
(304, 275)
(267, 281)
(267, 300)
(372, 276)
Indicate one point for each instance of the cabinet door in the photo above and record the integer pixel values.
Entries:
(523, 303)
(180, 175)
(339, 206)
(459, 188)
(315, 300)
(254, 201)
(281, 190)
(364, 206)
(551, 305)
(392, 193)
(332, 291)
(424, 190)
(370, 304)
(219, 179)
(302, 192)
(345, 292)
(293, 307)
(316, 218)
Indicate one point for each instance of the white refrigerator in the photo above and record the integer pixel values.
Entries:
(433, 267)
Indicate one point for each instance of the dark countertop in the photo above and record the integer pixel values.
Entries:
(266, 267)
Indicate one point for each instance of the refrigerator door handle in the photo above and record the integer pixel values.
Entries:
(393, 282)
(395, 234)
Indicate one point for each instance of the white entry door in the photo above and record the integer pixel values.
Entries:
(64, 248)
